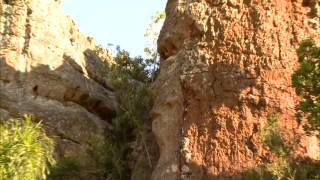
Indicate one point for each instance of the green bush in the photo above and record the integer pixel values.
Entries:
(259, 173)
(127, 68)
(307, 170)
(130, 78)
(26, 152)
(271, 136)
(287, 166)
(306, 81)
(66, 167)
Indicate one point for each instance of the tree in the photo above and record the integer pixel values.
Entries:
(152, 34)
(306, 81)
(130, 79)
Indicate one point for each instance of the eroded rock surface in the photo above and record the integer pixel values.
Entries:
(49, 69)
(226, 66)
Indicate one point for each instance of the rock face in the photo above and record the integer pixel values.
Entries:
(49, 69)
(226, 66)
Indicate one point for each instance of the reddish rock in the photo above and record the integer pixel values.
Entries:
(226, 65)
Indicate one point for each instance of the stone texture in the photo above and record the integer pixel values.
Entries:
(51, 70)
(226, 66)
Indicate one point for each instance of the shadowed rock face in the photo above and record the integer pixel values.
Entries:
(226, 65)
(49, 69)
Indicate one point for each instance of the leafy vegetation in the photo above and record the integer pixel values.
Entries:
(306, 80)
(66, 167)
(271, 136)
(130, 78)
(287, 166)
(26, 152)
(152, 34)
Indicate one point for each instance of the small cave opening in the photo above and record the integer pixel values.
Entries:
(35, 90)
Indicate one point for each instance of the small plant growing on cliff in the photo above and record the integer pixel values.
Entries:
(65, 168)
(26, 152)
(287, 166)
(306, 81)
(271, 136)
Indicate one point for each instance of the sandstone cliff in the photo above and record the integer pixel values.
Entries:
(49, 69)
(226, 65)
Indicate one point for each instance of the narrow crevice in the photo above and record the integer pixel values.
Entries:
(27, 34)
(65, 137)
(280, 51)
(7, 1)
(35, 90)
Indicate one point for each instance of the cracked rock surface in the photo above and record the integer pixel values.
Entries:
(49, 69)
(226, 65)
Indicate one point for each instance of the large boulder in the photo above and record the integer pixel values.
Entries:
(49, 69)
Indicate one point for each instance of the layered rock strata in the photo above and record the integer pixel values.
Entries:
(51, 70)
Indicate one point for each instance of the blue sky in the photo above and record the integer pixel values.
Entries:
(120, 22)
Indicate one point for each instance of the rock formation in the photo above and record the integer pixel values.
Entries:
(226, 65)
(51, 70)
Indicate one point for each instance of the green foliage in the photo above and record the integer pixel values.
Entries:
(26, 152)
(286, 167)
(152, 34)
(307, 170)
(306, 81)
(127, 69)
(131, 80)
(116, 164)
(66, 167)
(281, 169)
(259, 173)
(272, 138)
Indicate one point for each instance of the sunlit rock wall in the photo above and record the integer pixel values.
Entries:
(226, 66)
(49, 69)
